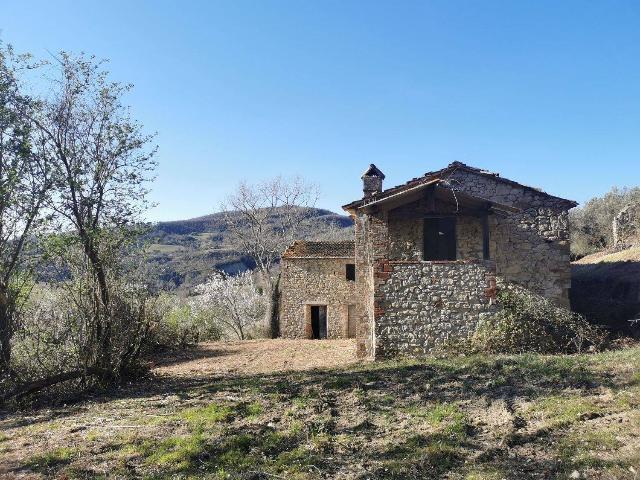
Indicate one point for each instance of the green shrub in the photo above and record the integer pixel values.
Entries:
(528, 322)
(591, 224)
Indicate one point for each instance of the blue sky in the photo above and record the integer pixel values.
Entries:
(545, 92)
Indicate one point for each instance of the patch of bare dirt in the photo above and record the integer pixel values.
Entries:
(257, 356)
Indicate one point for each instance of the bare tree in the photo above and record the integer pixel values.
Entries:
(265, 218)
(25, 186)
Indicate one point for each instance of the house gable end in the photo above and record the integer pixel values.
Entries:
(457, 175)
(503, 191)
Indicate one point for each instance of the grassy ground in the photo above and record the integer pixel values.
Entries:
(461, 418)
(629, 255)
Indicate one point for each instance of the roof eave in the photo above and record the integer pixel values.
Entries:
(352, 207)
(303, 257)
(459, 165)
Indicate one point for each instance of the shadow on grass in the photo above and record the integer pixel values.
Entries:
(443, 380)
(383, 386)
(170, 358)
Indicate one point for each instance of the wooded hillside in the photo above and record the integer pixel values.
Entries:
(183, 253)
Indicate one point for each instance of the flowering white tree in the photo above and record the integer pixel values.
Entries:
(236, 301)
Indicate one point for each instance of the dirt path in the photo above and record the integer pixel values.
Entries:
(257, 356)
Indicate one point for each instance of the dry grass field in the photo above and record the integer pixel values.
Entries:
(304, 409)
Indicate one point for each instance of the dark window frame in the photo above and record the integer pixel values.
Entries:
(436, 249)
(350, 272)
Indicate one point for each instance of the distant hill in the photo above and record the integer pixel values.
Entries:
(183, 253)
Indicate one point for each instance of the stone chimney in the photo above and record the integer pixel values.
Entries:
(372, 181)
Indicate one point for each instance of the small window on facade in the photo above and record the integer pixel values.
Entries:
(440, 238)
(351, 272)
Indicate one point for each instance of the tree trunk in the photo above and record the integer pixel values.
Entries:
(33, 387)
(103, 323)
(101, 276)
(273, 310)
(5, 331)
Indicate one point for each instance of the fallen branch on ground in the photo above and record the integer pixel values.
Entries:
(33, 387)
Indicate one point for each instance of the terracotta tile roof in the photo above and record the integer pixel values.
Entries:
(442, 174)
(304, 249)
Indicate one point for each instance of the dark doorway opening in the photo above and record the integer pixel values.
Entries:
(319, 321)
(440, 238)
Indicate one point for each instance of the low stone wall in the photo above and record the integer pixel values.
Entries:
(420, 305)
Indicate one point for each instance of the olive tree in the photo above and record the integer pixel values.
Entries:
(102, 163)
(25, 187)
(591, 224)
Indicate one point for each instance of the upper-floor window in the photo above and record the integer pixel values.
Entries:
(440, 238)
(351, 272)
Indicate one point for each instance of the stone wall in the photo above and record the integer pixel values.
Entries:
(392, 276)
(372, 248)
(530, 247)
(469, 238)
(405, 239)
(315, 281)
(406, 235)
(626, 227)
(423, 304)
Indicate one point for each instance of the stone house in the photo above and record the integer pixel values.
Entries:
(318, 290)
(426, 262)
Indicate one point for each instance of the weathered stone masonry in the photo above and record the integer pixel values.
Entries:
(503, 232)
(417, 305)
(421, 305)
(315, 280)
(531, 246)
